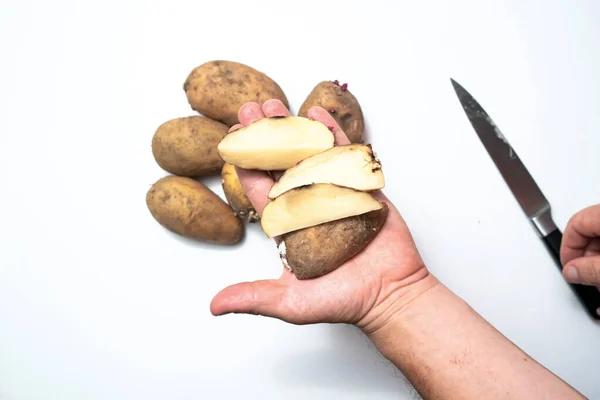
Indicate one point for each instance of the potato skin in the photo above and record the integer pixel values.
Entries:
(190, 209)
(217, 89)
(188, 146)
(318, 250)
(341, 105)
(235, 195)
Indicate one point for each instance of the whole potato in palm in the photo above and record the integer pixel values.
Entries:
(341, 105)
(190, 209)
(188, 146)
(217, 89)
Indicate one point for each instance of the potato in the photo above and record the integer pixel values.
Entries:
(217, 89)
(341, 105)
(312, 205)
(188, 146)
(235, 195)
(352, 165)
(275, 143)
(313, 252)
(190, 209)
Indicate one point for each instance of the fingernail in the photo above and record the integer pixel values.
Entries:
(572, 275)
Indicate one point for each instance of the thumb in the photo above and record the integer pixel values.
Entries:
(584, 270)
(264, 297)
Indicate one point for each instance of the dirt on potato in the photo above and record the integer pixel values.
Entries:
(318, 250)
(188, 146)
(217, 89)
(341, 104)
(190, 209)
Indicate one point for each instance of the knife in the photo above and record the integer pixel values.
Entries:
(529, 196)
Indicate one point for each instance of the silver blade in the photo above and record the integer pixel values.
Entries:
(528, 194)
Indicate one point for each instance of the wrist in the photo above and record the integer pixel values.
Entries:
(438, 331)
(391, 308)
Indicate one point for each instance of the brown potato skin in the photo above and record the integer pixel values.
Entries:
(217, 89)
(341, 105)
(235, 195)
(188, 146)
(318, 250)
(190, 209)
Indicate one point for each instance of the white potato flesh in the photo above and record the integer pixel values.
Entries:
(354, 166)
(313, 205)
(277, 143)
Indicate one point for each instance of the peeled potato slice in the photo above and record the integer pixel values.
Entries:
(276, 143)
(313, 205)
(353, 166)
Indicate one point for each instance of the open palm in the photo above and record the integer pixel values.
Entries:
(362, 291)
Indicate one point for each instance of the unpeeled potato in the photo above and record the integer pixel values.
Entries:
(235, 195)
(217, 89)
(188, 146)
(190, 209)
(341, 105)
(318, 250)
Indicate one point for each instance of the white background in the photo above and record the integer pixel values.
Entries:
(97, 301)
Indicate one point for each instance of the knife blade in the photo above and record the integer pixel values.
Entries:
(522, 185)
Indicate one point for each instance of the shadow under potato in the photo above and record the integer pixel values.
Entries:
(350, 363)
(206, 245)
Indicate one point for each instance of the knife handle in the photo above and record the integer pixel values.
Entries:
(588, 295)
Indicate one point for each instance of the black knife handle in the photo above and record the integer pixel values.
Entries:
(588, 295)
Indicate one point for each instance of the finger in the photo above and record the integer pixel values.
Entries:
(584, 270)
(264, 297)
(275, 175)
(235, 127)
(275, 108)
(256, 185)
(320, 114)
(581, 229)
(593, 248)
(250, 112)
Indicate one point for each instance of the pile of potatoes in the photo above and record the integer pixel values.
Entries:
(188, 149)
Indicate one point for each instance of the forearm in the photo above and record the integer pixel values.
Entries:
(448, 351)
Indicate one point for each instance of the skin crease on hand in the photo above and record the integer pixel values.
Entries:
(580, 250)
(366, 291)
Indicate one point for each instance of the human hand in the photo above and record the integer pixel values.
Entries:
(411, 318)
(366, 291)
(580, 248)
